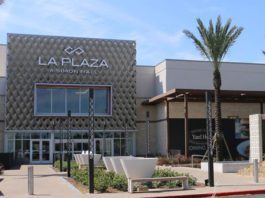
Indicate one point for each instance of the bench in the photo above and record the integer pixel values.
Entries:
(183, 179)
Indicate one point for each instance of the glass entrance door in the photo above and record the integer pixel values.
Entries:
(35, 151)
(40, 151)
(101, 148)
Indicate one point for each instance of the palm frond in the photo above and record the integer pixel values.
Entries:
(214, 41)
(197, 43)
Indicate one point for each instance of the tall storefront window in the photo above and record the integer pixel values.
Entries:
(58, 100)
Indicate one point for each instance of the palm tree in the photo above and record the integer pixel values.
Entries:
(214, 43)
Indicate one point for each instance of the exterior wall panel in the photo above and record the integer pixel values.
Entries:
(24, 71)
(145, 80)
(198, 75)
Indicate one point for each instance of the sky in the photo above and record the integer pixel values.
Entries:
(156, 25)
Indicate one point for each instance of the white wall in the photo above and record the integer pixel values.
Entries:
(145, 81)
(161, 135)
(160, 78)
(2, 60)
(255, 132)
(198, 75)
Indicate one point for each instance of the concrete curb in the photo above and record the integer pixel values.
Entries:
(247, 192)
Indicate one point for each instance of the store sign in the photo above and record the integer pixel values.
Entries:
(73, 62)
(198, 140)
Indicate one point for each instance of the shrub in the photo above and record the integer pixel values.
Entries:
(57, 165)
(101, 185)
(170, 173)
(119, 182)
(103, 179)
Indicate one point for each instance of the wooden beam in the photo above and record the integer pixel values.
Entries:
(167, 146)
(186, 123)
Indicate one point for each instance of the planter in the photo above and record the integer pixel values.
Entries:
(226, 166)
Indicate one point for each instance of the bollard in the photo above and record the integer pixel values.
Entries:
(256, 170)
(30, 180)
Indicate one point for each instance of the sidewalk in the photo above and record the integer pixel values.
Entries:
(224, 182)
(48, 183)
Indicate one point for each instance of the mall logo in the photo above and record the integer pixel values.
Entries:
(77, 51)
(71, 61)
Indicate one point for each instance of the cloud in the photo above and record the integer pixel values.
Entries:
(89, 18)
(5, 12)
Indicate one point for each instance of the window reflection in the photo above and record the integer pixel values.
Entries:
(73, 100)
(43, 100)
(101, 101)
(59, 100)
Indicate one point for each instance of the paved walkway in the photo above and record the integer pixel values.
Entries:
(49, 183)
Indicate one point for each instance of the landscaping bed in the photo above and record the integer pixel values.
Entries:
(179, 160)
(110, 182)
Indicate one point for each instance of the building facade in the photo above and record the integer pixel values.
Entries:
(137, 110)
(49, 76)
(161, 91)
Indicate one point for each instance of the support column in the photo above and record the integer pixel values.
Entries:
(167, 106)
(261, 107)
(186, 124)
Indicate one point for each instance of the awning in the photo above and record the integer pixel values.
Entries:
(198, 95)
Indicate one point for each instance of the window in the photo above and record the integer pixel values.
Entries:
(44, 100)
(73, 96)
(84, 100)
(58, 100)
(101, 101)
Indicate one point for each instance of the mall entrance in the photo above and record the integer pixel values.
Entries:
(40, 151)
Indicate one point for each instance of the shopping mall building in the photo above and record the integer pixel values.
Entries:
(137, 110)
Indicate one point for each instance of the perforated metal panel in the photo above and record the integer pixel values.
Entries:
(23, 71)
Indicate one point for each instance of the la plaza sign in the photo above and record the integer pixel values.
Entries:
(67, 61)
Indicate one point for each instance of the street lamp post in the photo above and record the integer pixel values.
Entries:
(61, 145)
(209, 138)
(91, 141)
(69, 145)
(53, 128)
(126, 137)
(147, 135)
(104, 140)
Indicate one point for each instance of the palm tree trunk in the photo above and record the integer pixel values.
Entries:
(218, 118)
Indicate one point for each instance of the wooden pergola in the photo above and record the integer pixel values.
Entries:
(198, 95)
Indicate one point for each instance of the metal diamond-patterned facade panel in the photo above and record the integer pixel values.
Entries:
(24, 69)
